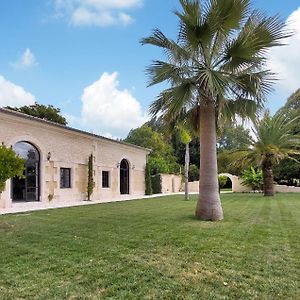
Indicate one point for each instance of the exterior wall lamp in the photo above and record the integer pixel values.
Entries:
(49, 156)
(118, 165)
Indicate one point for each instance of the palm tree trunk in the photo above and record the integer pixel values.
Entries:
(209, 205)
(268, 181)
(186, 171)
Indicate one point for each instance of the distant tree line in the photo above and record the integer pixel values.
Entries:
(168, 151)
(41, 111)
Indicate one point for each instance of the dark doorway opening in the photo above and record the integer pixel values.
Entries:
(27, 189)
(124, 177)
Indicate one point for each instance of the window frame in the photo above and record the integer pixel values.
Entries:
(63, 180)
(108, 179)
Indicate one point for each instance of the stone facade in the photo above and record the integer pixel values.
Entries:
(171, 183)
(64, 147)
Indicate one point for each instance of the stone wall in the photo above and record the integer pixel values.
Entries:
(194, 187)
(71, 149)
(237, 187)
(286, 189)
(171, 183)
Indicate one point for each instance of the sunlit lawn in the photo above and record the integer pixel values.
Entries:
(154, 249)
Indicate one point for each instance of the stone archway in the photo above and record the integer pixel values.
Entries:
(237, 186)
(27, 189)
(229, 184)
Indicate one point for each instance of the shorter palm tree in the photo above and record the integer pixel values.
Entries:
(274, 140)
(186, 138)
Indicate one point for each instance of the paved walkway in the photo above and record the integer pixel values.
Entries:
(34, 206)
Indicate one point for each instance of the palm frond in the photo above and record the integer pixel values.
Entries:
(161, 71)
(226, 16)
(173, 101)
(259, 34)
(173, 50)
(255, 85)
(194, 31)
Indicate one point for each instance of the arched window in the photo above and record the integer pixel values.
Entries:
(27, 188)
(124, 177)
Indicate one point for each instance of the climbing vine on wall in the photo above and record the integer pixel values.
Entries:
(91, 183)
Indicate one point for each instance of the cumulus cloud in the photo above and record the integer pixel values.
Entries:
(107, 110)
(27, 60)
(285, 61)
(13, 95)
(100, 13)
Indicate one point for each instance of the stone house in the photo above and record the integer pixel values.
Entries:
(56, 163)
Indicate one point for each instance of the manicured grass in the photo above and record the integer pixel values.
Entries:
(154, 249)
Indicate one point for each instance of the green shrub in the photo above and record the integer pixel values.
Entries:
(10, 165)
(91, 183)
(158, 165)
(222, 181)
(156, 184)
(252, 178)
(148, 181)
(193, 173)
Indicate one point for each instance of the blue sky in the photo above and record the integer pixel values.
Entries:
(84, 57)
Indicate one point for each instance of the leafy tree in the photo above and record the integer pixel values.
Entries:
(180, 133)
(215, 69)
(193, 173)
(145, 136)
(233, 138)
(158, 165)
(10, 165)
(253, 178)
(292, 109)
(288, 172)
(173, 137)
(41, 111)
(274, 141)
(161, 159)
(227, 162)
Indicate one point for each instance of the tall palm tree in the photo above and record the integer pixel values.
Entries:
(274, 141)
(215, 68)
(186, 134)
(186, 138)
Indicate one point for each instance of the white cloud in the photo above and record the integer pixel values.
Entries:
(100, 13)
(107, 110)
(285, 61)
(13, 95)
(27, 60)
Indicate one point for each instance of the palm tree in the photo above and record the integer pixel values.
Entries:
(186, 135)
(216, 68)
(274, 141)
(186, 138)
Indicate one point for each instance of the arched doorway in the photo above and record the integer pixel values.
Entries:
(227, 185)
(27, 189)
(124, 177)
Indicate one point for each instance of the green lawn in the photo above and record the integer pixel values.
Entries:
(154, 249)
